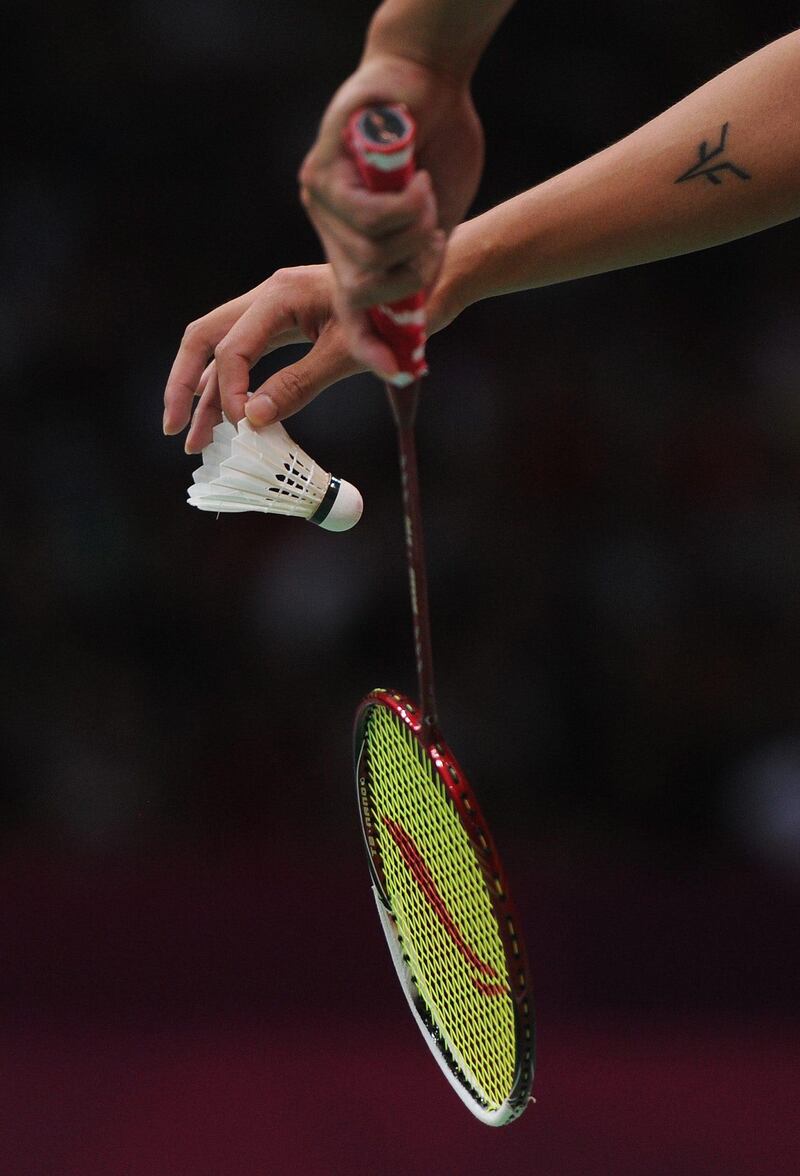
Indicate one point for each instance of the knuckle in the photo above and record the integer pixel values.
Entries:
(349, 282)
(369, 295)
(193, 332)
(210, 394)
(428, 221)
(371, 221)
(404, 282)
(356, 286)
(401, 251)
(294, 387)
(282, 277)
(308, 171)
(366, 255)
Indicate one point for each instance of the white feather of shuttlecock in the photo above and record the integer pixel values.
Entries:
(265, 470)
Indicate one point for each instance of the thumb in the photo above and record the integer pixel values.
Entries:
(296, 385)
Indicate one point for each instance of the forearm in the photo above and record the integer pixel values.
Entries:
(448, 36)
(655, 194)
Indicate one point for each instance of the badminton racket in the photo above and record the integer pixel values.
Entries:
(440, 889)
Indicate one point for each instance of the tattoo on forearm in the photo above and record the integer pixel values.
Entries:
(709, 170)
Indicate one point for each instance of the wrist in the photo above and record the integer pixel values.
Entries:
(395, 37)
(455, 288)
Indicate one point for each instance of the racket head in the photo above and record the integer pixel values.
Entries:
(444, 905)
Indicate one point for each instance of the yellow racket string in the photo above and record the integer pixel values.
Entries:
(444, 916)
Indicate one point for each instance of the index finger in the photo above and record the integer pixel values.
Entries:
(266, 324)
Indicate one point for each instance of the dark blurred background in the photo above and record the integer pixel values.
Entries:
(193, 980)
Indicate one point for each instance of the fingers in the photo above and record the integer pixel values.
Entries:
(351, 305)
(292, 306)
(371, 255)
(281, 395)
(196, 349)
(374, 215)
(236, 335)
(205, 378)
(365, 345)
(207, 414)
(257, 331)
(296, 385)
(352, 300)
(379, 251)
(369, 272)
(363, 290)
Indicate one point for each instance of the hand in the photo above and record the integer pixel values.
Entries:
(385, 246)
(219, 349)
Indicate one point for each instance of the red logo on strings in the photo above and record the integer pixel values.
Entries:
(418, 866)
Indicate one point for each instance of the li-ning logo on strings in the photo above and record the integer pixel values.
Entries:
(700, 170)
(493, 984)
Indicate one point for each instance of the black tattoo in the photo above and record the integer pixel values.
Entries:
(710, 173)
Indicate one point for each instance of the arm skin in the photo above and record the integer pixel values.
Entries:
(646, 197)
(448, 36)
(382, 247)
(643, 199)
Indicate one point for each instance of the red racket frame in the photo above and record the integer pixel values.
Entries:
(460, 793)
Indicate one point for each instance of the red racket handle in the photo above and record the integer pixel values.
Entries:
(381, 140)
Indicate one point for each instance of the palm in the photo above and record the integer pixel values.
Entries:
(450, 147)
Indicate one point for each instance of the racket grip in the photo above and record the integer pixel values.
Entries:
(381, 141)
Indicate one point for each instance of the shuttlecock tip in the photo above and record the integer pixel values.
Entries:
(346, 510)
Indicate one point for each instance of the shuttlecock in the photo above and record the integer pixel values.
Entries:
(264, 469)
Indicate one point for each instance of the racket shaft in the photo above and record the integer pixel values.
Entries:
(381, 140)
(404, 402)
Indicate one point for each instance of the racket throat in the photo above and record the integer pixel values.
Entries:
(404, 403)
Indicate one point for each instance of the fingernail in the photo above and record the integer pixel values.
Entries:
(164, 424)
(261, 409)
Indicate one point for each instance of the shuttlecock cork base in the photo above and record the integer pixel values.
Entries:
(265, 470)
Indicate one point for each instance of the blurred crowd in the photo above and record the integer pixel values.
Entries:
(610, 468)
